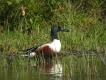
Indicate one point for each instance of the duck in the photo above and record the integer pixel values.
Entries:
(48, 49)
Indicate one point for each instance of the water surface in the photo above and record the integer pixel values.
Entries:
(72, 67)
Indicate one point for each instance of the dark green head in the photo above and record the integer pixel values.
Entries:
(56, 29)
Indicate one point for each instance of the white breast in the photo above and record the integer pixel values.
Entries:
(55, 45)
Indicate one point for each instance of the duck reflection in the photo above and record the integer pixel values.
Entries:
(50, 67)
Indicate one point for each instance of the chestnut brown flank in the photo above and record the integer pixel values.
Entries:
(46, 51)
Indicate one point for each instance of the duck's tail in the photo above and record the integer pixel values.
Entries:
(29, 52)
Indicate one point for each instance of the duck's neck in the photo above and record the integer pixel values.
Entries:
(54, 36)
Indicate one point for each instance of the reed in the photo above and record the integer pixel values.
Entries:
(83, 48)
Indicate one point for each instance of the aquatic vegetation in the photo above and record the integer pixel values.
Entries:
(27, 23)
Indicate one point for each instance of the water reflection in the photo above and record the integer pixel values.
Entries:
(86, 67)
(50, 67)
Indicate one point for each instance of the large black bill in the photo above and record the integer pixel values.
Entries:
(65, 30)
(62, 29)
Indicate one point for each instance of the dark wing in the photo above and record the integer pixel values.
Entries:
(33, 49)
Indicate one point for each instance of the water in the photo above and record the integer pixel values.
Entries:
(85, 67)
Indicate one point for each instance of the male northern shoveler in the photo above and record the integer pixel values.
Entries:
(49, 49)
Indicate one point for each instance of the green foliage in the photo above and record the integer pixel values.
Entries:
(19, 18)
(27, 23)
(47, 11)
